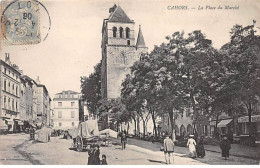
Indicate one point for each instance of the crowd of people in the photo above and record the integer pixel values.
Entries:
(196, 147)
(194, 143)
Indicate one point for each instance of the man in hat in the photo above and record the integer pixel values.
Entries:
(168, 149)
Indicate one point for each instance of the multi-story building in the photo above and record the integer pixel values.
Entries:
(119, 50)
(10, 94)
(23, 115)
(66, 109)
(26, 104)
(43, 105)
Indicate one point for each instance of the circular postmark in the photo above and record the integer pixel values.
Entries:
(20, 22)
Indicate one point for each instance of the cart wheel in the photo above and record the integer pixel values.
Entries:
(79, 144)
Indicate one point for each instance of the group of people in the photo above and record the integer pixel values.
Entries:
(93, 156)
(196, 149)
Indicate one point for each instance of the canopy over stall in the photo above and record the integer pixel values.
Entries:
(224, 123)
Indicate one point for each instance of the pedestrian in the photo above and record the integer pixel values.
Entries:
(192, 146)
(168, 146)
(225, 147)
(104, 160)
(91, 155)
(96, 154)
(32, 133)
(200, 148)
(123, 140)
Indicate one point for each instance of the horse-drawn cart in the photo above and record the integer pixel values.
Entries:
(85, 135)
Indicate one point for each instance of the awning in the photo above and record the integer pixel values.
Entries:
(223, 123)
(254, 118)
(213, 123)
(10, 121)
(20, 123)
(3, 125)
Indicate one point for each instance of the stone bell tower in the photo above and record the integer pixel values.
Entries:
(119, 50)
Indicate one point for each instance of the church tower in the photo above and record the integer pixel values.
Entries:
(119, 51)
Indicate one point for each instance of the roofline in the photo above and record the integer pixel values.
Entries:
(67, 91)
(9, 66)
(118, 22)
(41, 85)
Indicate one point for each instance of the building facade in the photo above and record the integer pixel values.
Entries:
(119, 50)
(66, 110)
(23, 102)
(9, 95)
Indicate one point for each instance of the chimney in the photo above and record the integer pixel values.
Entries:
(7, 58)
(16, 67)
(38, 80)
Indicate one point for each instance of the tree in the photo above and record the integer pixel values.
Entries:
(115, 110)
(242, 64)
(91, 89)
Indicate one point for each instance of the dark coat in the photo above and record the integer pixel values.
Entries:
(103, 162)
(225, 147)
(96, 159)
(90, 156)
(123, 138)
(200, 149)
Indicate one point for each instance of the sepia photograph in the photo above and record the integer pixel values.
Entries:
(130, 82)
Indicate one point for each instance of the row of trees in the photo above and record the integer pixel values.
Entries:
(186, 73)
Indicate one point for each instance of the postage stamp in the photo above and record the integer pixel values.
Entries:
(20, 22)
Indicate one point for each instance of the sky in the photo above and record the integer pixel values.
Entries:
(73, 45)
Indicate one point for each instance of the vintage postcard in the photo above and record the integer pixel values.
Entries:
(129, 82)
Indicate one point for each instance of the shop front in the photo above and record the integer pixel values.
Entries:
(3, 127)
(225, 126)
(243, 125)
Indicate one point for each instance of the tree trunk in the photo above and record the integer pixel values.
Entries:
(216, 127)
(117, 126)
(172, 125)
(154, 124)
(138, 125)
(135, 126)
(197, 119)
(250, 119)
(127, 127)
(144, 129)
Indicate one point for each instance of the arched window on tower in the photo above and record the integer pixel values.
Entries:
(121, 32)
(127, 32)
(114, 31)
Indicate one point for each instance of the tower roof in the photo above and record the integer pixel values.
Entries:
(140, 39)
(117, 14)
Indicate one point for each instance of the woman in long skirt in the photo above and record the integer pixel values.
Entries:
(192, 147)
(200, 148)
(225, 147)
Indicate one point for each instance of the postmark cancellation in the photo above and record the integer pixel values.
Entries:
(20, 22)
